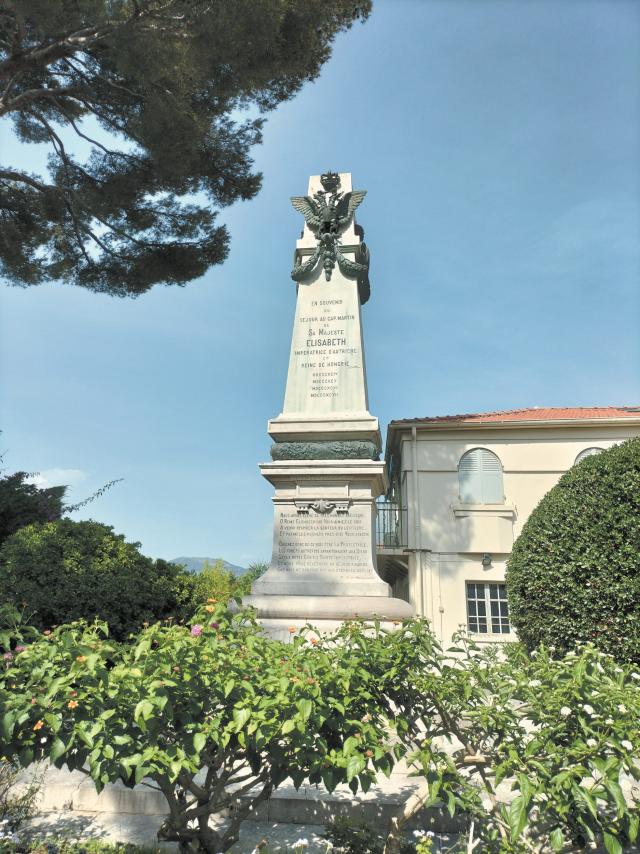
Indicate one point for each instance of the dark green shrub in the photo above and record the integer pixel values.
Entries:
(64, 570)
(574, 573)
(23, 503)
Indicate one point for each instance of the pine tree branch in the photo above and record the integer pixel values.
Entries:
(20, 177)
(36, 95)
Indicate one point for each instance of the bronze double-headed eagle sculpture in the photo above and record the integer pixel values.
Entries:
(327, 213)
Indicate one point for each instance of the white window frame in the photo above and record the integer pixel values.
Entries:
(487, 619)
(489, 476)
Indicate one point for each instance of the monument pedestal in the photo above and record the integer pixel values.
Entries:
(325, 468)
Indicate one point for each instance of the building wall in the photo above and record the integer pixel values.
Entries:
(450, 538)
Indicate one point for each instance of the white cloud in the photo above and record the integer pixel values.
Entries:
(57, 477)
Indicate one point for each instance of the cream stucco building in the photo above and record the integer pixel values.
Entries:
(461, 488)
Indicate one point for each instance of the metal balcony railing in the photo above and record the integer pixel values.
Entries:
(391, 525)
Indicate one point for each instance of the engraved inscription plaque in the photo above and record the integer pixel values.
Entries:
(324, 544)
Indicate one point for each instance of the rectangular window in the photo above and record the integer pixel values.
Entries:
(487, 608)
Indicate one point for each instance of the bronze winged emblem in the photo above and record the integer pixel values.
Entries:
(327, 213)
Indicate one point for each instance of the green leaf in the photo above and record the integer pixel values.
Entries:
(229, 685)
(287, 726)
(634, 826)
(613, 787)
(53, 722)
(517, 816)
(349, 745)
(611, 843)
(305, 708)
(585, 797)
(8, 723)
(556, 839)
(240, 717)
(451, 804)
(57, 749)
(199, 741)
(355, 765)
(142, 648)
(141, 771)
(144, 710)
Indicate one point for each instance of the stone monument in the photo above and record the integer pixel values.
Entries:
(325, 467)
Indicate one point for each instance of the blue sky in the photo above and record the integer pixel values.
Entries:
(499, 142)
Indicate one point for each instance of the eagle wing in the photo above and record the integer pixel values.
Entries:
(309, 210)
(348, 204)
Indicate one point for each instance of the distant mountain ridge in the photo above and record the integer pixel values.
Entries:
(195, 564)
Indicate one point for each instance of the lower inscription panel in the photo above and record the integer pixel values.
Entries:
(334, 544)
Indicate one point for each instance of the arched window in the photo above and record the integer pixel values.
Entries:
(588, 452)
(480, 478)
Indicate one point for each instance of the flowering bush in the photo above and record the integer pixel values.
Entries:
(534, 753)
(217, 715)
(559, 737)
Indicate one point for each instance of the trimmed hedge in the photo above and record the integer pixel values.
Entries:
(64, 570)
(574, 572)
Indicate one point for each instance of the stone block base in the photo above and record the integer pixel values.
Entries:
(325, 613)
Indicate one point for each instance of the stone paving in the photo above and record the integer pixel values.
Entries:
(69, 805)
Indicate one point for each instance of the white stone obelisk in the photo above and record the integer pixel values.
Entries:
(325, 467)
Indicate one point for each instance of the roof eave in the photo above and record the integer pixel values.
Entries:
(524, 423)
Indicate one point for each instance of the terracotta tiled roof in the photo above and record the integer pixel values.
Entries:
(552, 413)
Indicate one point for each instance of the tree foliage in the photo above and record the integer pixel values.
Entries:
(530, 753)
(64, 570)
(574, 572)
(535, 753)
(217, 715)
(155, 90)
(22, 503)
(215, 582)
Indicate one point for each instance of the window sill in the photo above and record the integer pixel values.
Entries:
(506, 510)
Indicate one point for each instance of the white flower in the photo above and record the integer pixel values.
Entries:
(588, 709)
(419, 834)
(622, 708)
(565, 711)
(301, 843)
(626, 744)
(635, 675)
(535, 683)
(591, 742)
(609, 721)
(617, 670)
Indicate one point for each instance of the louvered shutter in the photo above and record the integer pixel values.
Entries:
(470, 477)
(480, 477)
(492, 492)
